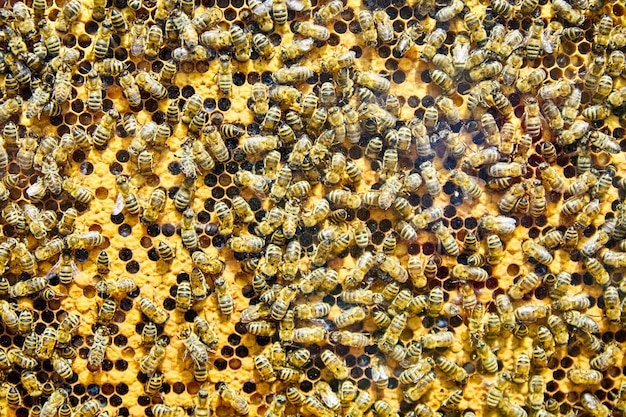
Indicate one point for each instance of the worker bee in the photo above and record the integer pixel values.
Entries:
(224, 298)
(446, 239)
(374, 82)
(568, 13)
(590, 402)
(368, 29)
(148, 83)
(155, 313)
(150, 363)
(334, 364)
(530, 313)
(607, 358)
(98, 350)
(237, 402)
(116, 288)
(584, 376)
(296, 49)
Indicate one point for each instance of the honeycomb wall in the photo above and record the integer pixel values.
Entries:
(117, 384)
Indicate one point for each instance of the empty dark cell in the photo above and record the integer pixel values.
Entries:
(115, 168)
(121, 365)
(526, 221)
(168, 229)
(223, 104)
(313, 374)
(107, 365)
(190, 316)
(188, 91)
(377, 237)
(456, 223)
(241, 351)
(125, 230)
(234, 339)
(174, 168)
(125, 254)
(79, 156)
(232, 191)
(305, 239)
(120, 340)
(456, 199)
(227, 351)
(607, 337)
(219, 241)
(143, 400)
(153, 255)
(169, 304)
(385, 225)
(217, 192)
(569, 171)
(398, 77)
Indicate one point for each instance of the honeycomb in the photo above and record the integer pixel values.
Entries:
(424, 125)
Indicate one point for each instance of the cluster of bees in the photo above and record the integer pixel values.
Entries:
(361, 229)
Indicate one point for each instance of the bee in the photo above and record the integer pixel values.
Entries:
(349, 317)
(224, 298)
(209, 264)
(150, 363)
(568, 13)
(451, 369)
(446, 239)
(429, 174)
(264, 367)
(607, 358)
(384, 27)
(198, 351)
(420, 387)
(154, 40)
(530, 313)
(148, 83)
(237, 402)
(155, 313)
(334, 364)
(368, 29)
(593, 406)
(162, 410)
(97, 351)
(328, 11)
(374, 82)
(442, 339)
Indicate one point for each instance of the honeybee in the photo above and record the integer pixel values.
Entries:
(224, 298)
(148, 82)
(150, 363)
(98, 350)
(155, 313)
(446, 239)
(368, 29)
(374, 82)
(237, 402)
(328, 11)
(349, 317)
(296, 49)
(334, 364)
(198, 351)
(590, 402)
(568, 13)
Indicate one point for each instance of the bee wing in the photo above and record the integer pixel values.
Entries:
(119, 205)
(267, 4)
(53, 270)
(549, 41)
(31, 212)
(295, 5)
